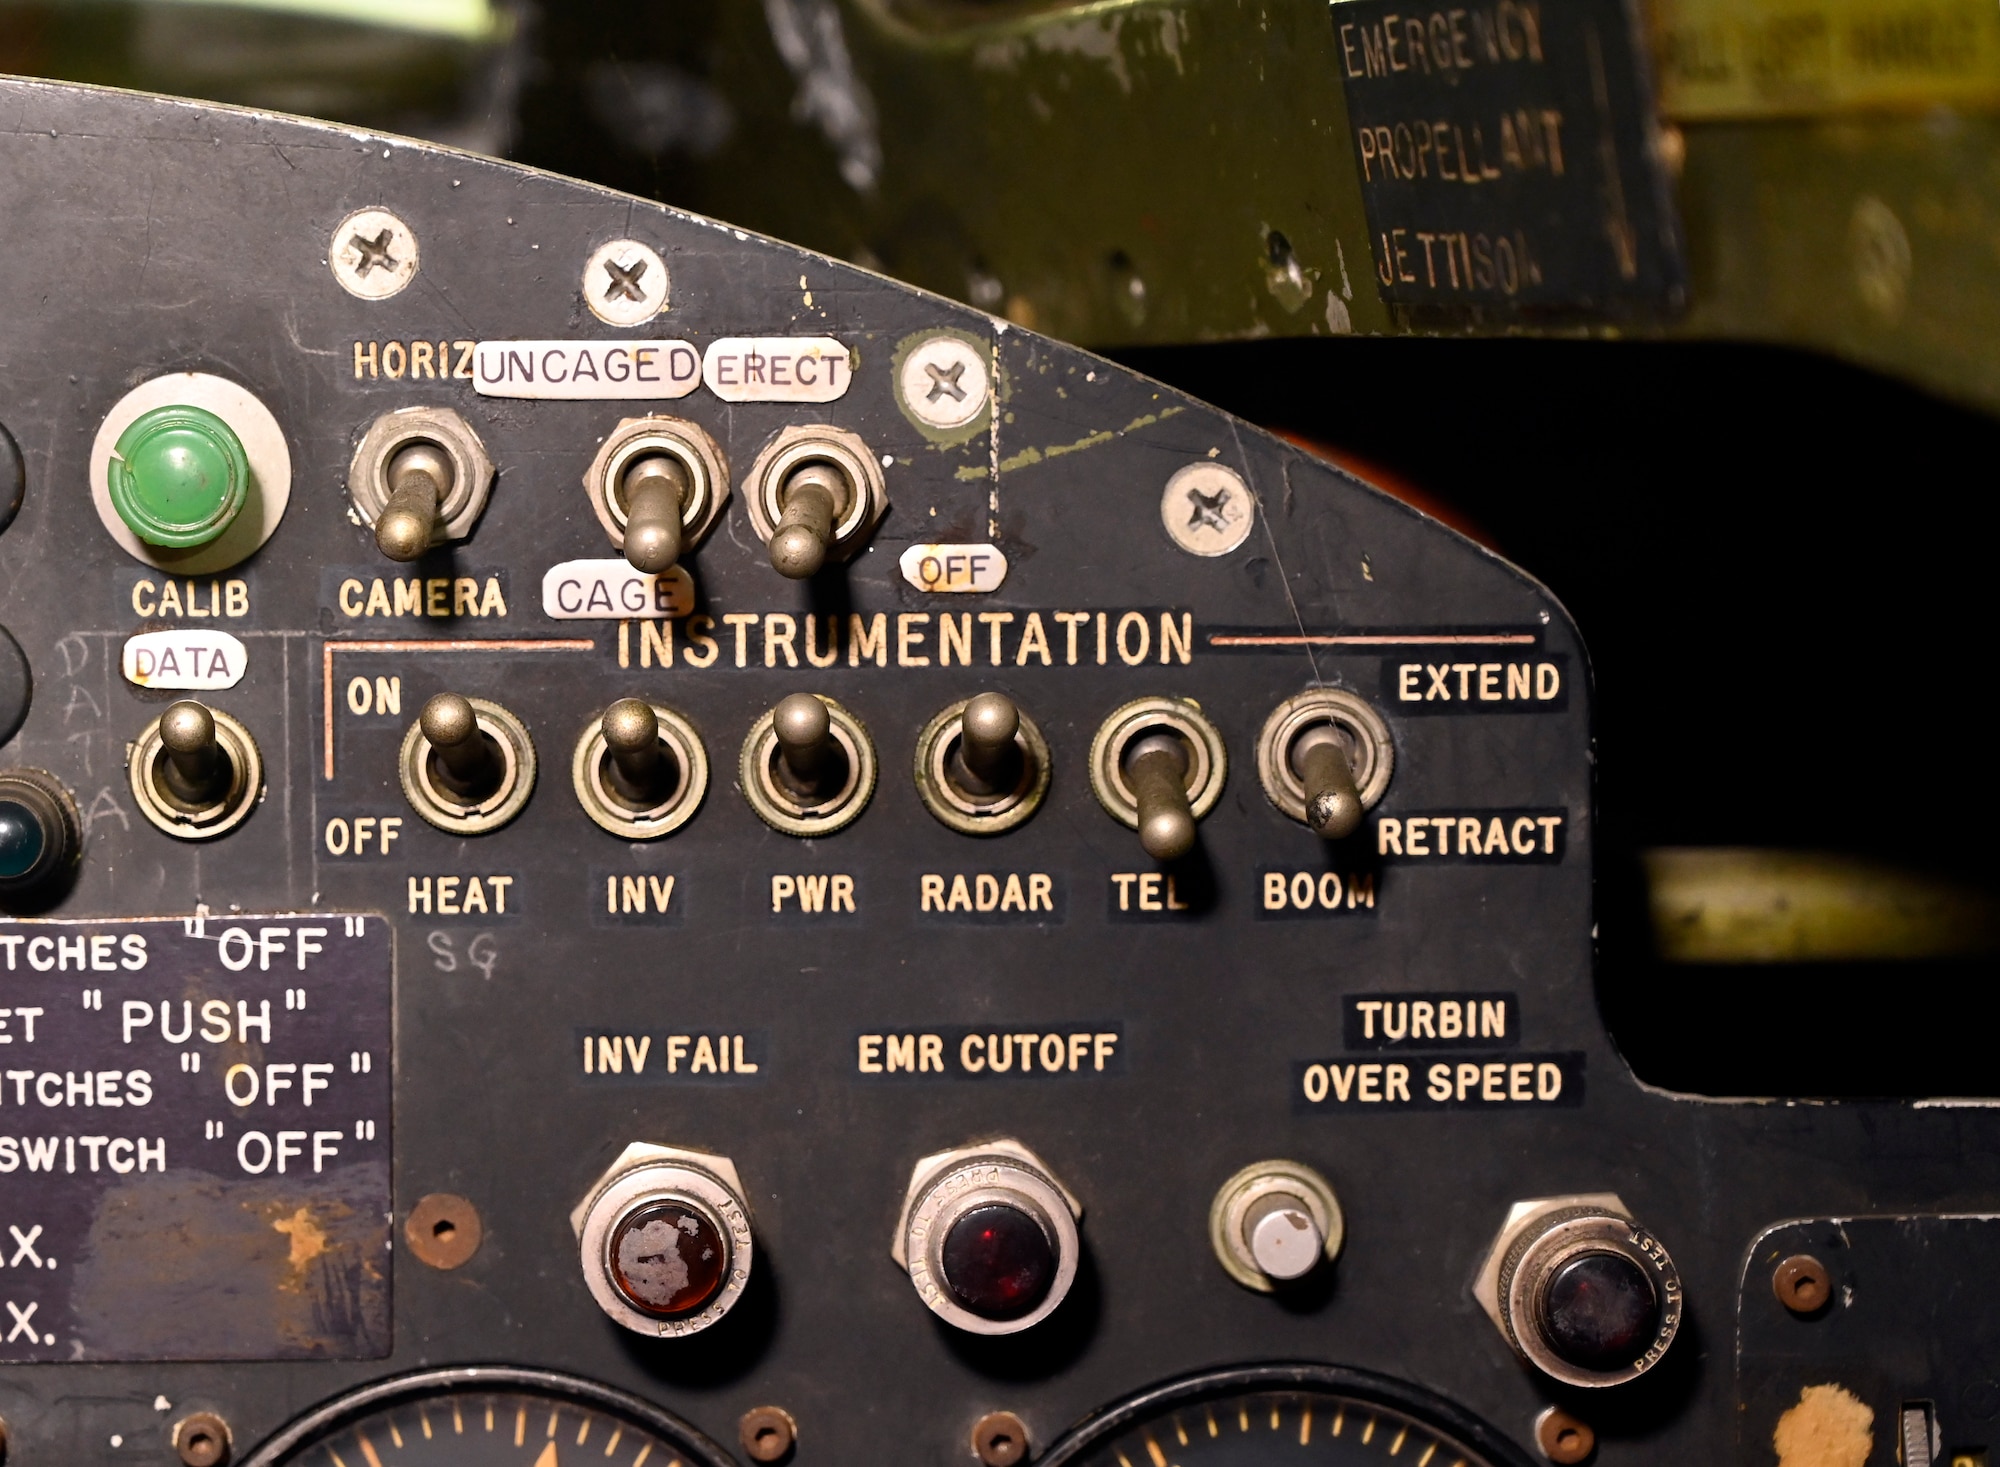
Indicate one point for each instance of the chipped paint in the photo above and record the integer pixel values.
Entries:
(1030, 456)
(1829, 1427)
(188, 1266)
(308, 1242)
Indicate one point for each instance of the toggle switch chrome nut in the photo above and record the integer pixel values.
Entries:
(1580, 1290)
(412, 447)
(989, 1237)
(664, 1239)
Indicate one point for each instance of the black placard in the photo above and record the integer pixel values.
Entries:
(1092, 1049)
(191, 1111)
(1438, 1082)
(1423, 1021)
(1506, 155)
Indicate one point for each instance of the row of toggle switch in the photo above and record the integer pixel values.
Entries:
(808, 767)
(989, 1237)
(177, 478)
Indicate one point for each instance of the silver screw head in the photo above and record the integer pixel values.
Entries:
(945, 381)
(1207, 509)
(373, 254)
(1284, 1240)
(625, 283)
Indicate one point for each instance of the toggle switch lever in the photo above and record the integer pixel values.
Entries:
(988, 761)
(654, 489)
(809, 759)
(195, 771)
(1156, 770)
(810, 501)
(1320, 759)
(632, 738)
(471, 768)
(420, 479)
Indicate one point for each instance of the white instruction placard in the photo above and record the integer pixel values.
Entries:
(611, 590)
(191, 660)
(586, 370)
(777, 368)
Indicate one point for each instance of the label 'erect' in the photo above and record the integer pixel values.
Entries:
(776, 368)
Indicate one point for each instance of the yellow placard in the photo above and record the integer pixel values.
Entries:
(1808, 58)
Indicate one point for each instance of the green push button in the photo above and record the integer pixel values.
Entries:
(178, 477)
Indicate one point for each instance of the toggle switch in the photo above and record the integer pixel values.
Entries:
(664, 1238)
(1156, 770)
(810, 501)
(41, 833)
(657, 485)
(809, 761)
(808, 766)
(640, 770)
(467, 765)
(982, 765)
(1333, 804)
(472, 768)
(632, 739)
(1158, 765)
(816, 495)
(196, 773)
(195, 770)
(989, 1237)
(419, 477)
(988, 758)
(1324, 758)
(1274, 1223)
(653, 489)
(1580, 1290)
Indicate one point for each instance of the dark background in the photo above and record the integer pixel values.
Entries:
(1781, 566)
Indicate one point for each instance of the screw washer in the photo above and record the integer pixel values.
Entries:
(1207, 509)
(937, 368)
(617, 268)
(357, 269)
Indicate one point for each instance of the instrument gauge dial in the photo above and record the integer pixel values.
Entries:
(1285, 1416)
(487, 1416)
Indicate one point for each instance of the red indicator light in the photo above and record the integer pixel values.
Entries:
(998, 1261)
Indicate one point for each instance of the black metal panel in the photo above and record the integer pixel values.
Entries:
(143, 236)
